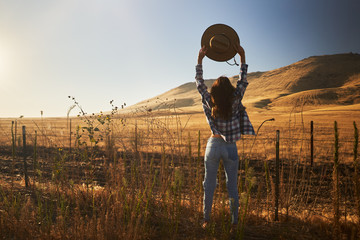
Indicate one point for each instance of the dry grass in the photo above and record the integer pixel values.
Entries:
(143, 180)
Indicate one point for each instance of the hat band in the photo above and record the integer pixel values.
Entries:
(219, 43)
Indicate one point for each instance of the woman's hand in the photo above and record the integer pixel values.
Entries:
(202, 54)
(240, 50)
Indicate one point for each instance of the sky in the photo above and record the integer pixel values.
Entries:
(132, 50)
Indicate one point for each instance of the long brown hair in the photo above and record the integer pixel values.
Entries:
(222, 97)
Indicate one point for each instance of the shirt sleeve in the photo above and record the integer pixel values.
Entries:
(201, 87)
(242, 81)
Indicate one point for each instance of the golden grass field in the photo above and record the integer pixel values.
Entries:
(137, 173)
(145, 182)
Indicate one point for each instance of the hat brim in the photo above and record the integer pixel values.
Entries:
(226, 31)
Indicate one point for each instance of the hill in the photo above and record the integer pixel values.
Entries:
(312, 82)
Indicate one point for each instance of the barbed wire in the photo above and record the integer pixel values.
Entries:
(52, 133)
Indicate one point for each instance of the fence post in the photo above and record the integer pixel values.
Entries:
(13, 149)
(356, 175)
(70, 137)
(336, 190)
(16, 134)
(311, 143)
(198, 165)
(198, 147)
(24, 156)
(277, 178)
(13, 139)
(136, 139)
(35, 163)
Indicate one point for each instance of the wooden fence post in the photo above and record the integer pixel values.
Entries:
(13, 149)
(336, 184)
(13, 139)
(24, 156)
(15, 134)
(70, 137)
(35, 163)
(198, 165)
(311, 143)
(136, 139)
(277, 173)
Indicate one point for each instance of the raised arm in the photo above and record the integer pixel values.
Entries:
(202, 88)
(242, 81)
(202, 54)
(240, 50)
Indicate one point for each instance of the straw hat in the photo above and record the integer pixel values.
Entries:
(219, 40)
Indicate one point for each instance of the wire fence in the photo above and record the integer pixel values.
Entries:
(296, 159)
(301, 142)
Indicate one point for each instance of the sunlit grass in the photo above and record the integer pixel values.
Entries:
(139, 176)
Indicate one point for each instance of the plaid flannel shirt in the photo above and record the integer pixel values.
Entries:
(232, 129)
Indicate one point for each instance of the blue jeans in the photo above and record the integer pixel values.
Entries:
(217, 149)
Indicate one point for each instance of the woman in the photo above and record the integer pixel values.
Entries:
(228, 120)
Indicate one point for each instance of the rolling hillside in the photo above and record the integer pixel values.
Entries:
(312, 82)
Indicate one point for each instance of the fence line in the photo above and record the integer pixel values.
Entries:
(308, 140)
(277, 147)
(67, 137)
